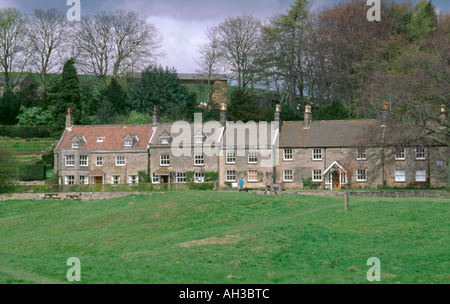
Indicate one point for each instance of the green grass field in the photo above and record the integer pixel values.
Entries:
(213, 237)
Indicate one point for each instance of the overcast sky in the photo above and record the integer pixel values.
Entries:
(182, 23)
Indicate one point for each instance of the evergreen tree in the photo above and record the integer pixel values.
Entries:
(162, 88)
(244, 107)
(105, 112)
(69, 95)
(9, 108)
(336, 110)
(28, 92)
(116, 95)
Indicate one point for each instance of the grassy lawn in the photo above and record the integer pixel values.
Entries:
(212, 237)
(27, 147)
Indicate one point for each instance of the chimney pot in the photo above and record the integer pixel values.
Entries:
(155, 118)
(69, 118)
(307, 118)
(223, 113)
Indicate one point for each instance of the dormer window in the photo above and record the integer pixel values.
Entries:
(198, 140)
(100, 139)
(77, 141)
(164, 141)
(129, 141)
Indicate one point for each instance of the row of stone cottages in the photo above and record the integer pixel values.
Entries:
(294, 154)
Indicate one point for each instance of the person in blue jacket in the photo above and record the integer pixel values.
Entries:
(241, 184)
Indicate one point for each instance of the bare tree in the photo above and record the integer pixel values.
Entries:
(47, 32)
(239, 40)
(114, 43)
(136, 43)
(94, 42)
(210, 57)
(14, 46)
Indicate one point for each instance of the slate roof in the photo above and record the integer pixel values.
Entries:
(330, 133)
(113, 136)
(261, 138)
(211, 137)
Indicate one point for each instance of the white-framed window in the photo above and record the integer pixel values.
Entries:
(128, 143)
(181, 177)
(155, 179)
(69, 180)
(287, 154)
(316, 175)
(400, 154)
(231, 157)
(120, 161)
(288, 176)
(199, 177)
(84, 159)
(75, 145)
(317, 154)
(115, 179)
(231, 176)
(164, 141)
(421, 175)
(198, 140)
(252, 176)
(100, 139)
(400, 175)
(252, 157)
(84, 180)
(70, 160)
(199, 160)
(421, 153)
(164, 160)
(99, 161)
(361, 154)
(361, 175)
(328, 178)
(133, 179)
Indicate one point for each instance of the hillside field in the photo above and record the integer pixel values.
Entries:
(217, 237)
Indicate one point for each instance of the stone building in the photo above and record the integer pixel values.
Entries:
(106, 154)
(357, 153)
(183, 153)
(295, 154)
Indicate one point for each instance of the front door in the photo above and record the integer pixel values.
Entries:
(336, 181)
(164, 179)
(99, 180)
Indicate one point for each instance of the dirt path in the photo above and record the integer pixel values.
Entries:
(28, 276)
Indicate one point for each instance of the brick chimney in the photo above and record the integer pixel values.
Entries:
(223, 113)
(277, 115)
(155, 119)
(307, 118)
(443, 117)
(69, 118)
(385, 115)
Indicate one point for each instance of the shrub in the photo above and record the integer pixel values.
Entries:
(144, 177)
(309, 184)
(213, 176)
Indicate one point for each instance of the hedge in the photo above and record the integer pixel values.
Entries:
(115, 188)
(30, 131)
(31, 172)
(48, 158)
